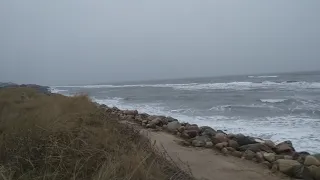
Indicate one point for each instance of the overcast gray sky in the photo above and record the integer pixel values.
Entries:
(86, 41)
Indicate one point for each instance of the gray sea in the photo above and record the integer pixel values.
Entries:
(271, 106)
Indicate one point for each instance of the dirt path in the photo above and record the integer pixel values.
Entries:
(207, 163)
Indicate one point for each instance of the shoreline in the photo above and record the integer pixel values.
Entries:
(277, 157)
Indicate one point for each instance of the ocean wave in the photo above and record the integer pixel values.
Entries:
(273, 100)
(57, 91)
(262, 76)
(126, 86)
(251, 85)
(274, 128)
(215, 86)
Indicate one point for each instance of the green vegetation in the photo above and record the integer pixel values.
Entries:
(53, 137)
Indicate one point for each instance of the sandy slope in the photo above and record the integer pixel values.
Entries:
(207, 163)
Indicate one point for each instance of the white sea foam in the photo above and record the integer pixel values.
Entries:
(215, 86)
(273, 100)
(296, 129)
(262, 76)
(302, 131)
(58, 91)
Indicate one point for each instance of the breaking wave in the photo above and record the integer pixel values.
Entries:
(215, 86)
(273, 100)
(262, 76)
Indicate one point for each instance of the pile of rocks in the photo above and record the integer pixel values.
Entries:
(281, 157)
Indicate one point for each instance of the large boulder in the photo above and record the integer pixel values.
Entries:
(234, 144)
(193, 127)
(191, 133)
(285, 166)
(198, 143)
(219, 138)
(270, 144)
(317, 156)
(257, 147)
(244, 140)
(315, 172)
(171, 119)
(311, 160)
(221, 145)
(208, 132)
(285, 148)
(209, 144)
(270, 157)
(259, 157)
(249, 155)
(204, 128)
(173, 126)
(155, 122)
(130, 112)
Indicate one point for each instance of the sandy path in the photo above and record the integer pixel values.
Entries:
(208, 163)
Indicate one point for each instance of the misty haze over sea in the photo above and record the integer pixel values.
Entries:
(274, 106)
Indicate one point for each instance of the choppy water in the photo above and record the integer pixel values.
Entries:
(277, 106)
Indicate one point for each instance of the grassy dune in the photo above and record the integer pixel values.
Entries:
(56, 137)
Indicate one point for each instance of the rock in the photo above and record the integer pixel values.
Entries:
(224, 151)
(151, 126)
(270, 144)
(257, 147)
(181, 129)
(300, 172)
(198, 143)
(185, 135)
(173, 126)
(219, 138)
(270, 157)
(274, 167)
(317, 156)
(311, 160)
(285, 148)
(220, 131)
(145, 121)
(249, 155)
(144, 115)
(267, 164)
(236, 154)
(285, 166)
(163, 120)
(231, 136)
(234, 144)
(230, 149)
(191, 133)
(193, 127)
(130, 112)
(315, 172)
(171, 119)
(287, 157)
(155, 122)
(209, 144)
(221, 145)
(103, 106)
(259, 157)
(244, 140)
(208, 132)
(209, 129)
(165, 126)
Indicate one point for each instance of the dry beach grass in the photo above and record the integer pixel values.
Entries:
(51, 137)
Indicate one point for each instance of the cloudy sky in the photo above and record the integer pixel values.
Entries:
(84, 41)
